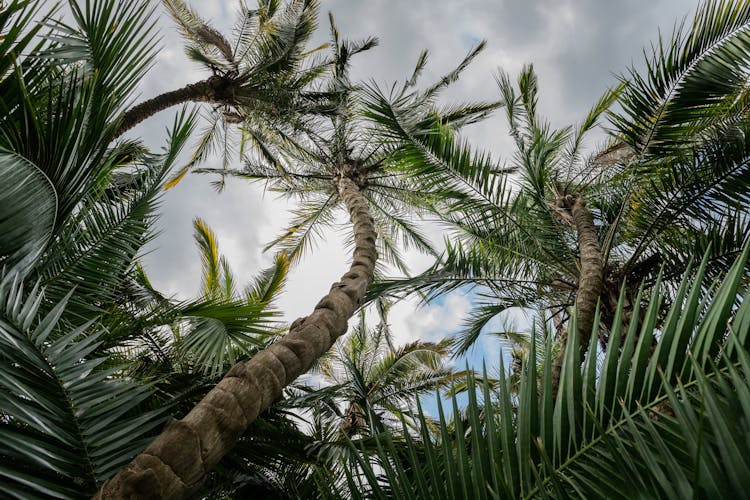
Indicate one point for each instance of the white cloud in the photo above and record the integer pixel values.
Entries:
(430, 323)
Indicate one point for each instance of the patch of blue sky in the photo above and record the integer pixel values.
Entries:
(487, 351)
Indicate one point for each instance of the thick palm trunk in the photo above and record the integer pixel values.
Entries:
(203, 91)
(177, 461)
(589, 283)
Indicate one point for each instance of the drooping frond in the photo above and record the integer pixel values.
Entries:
(203, 39)
(306, 225)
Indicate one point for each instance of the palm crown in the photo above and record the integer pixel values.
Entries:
(343, 144)
(369, 384)
(261, 75)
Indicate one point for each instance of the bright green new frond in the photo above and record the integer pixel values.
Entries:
(209, 252)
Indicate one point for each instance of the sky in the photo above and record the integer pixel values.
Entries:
(577, 48)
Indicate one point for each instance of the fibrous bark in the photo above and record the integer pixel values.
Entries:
(589, 281)
(213, 90)
(175, 464)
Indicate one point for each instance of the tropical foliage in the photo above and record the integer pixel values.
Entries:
(642, 419)
(670, 185)
(369, 381)
(632, 382)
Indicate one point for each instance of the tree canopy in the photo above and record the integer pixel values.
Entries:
(630, 258)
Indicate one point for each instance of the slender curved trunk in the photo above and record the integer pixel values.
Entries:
(202, 91)
(175, 464)
(589, 283)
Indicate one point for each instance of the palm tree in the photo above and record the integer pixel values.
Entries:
(628, 423)
(176, 462)
(564, 230)
(258, 75)
(366, 380)
(342, 163)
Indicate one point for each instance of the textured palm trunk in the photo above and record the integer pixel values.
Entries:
(354, 420)
(589, 283)
(177, 461)
(203, 91)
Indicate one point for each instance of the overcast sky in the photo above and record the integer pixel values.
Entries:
(577, 47)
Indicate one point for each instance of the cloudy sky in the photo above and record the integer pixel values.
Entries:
(577, 47)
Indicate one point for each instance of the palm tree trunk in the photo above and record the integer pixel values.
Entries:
(202, 91)
(589, 283)
(175, 464)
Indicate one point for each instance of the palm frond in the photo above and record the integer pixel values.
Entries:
(96, 247)
(115, 42)
(68, 423)
(28, 212)
(625, 423)
(203, 38)
(210, 260)
(688, 81)
(268, 285)
(215, 334)
(305, 226)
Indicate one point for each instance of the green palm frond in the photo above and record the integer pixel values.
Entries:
(114, 41)
(415, 366)
(211, 285)
(478, 319)
(95, 247)
(269, 284)
(305, 168)
(68, 423)
(574, 149)
(452, 76)
(75, 139)
(215, 334)
(58, 107)
(505, 270)
(222, 327)
(429, 154)
(28, 212)
(305, 226)
(701, 190)
(267, 77)
(689, 81)
(637, 419)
